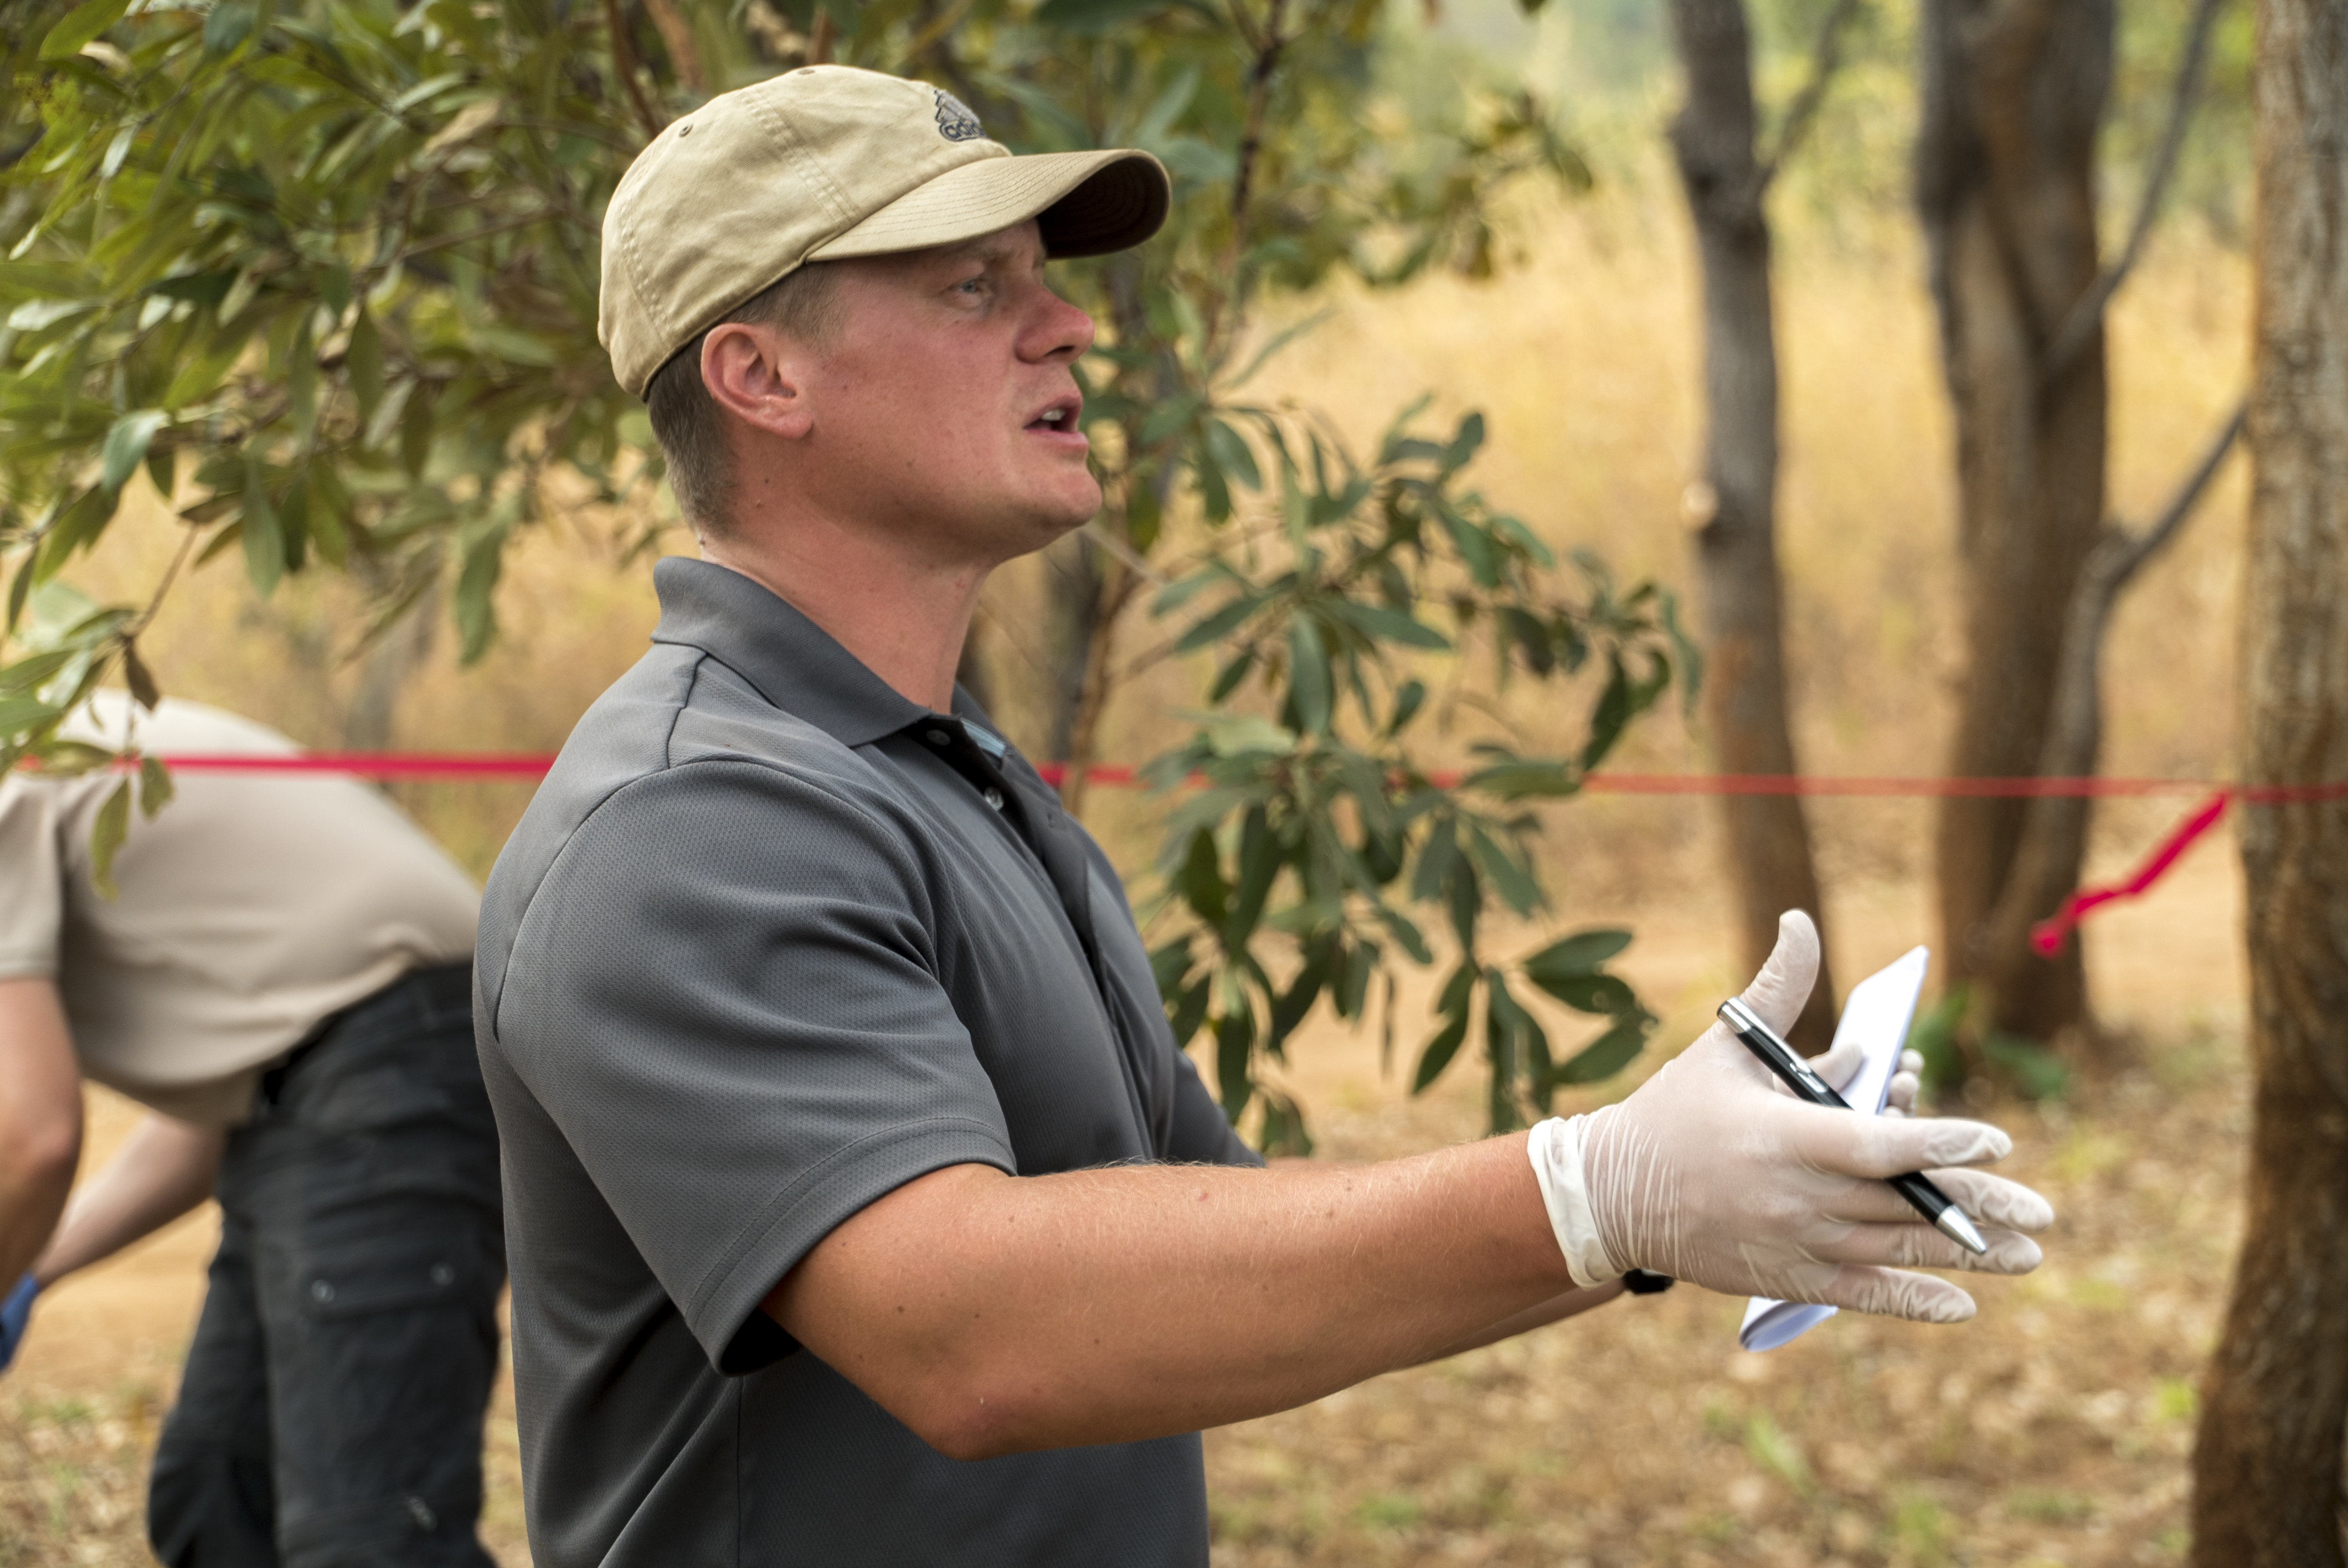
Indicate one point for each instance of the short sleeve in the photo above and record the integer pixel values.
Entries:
(31, 879)
(725, 995)
(1203, 1135)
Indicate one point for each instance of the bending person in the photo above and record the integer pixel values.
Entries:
(283, 978)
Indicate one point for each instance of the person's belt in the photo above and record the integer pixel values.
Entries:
(438, 988)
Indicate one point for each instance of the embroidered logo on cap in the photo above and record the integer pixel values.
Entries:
(955, 122)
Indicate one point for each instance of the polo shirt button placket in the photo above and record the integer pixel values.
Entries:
(994, 797)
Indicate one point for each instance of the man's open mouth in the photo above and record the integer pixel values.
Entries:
(1060, 416)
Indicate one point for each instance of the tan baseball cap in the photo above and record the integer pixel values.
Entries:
(830, 161)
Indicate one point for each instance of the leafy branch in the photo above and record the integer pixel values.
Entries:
(1315, 818)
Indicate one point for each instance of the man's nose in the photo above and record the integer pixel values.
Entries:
(1058, 329)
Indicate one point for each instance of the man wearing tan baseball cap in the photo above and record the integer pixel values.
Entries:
(861, 1208)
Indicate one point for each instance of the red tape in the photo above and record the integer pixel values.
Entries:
(2046, 938)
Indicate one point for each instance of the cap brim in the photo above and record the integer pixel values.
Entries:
(1084, 203)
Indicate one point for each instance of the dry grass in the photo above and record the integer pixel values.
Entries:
(2052, 1431)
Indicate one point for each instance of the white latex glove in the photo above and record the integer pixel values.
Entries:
(1712, 1174)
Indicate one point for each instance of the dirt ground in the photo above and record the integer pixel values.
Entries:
(2054, 1429)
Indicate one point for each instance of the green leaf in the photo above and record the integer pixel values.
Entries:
(1221, 623)
(1436, 1055)
(1384, 624)
(29, 673)
(1284, 1134)
(1308, 677)
(1289, 1008)
(80, 25)
(1573, 957)
(1235, 1050)
(106, 836)
(20, 587)
(265, 540)
(1190, 1010)
(1464, 442)
(1407, 701)
(477, 581)
(1606, 995)
(126, 447)
(136, 675)
(1200, 880)
(1171, 965)
(364, 363)
(1613, 710)
(1524, 778)
(1247, 734)
(1233, 455)
(228, 25)
(1605, 1056)
(1514, 882)
(155, 788)
(18, 714)
(1260, 861)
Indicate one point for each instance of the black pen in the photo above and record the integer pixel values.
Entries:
(1795, 1073)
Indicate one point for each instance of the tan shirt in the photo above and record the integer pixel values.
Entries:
(249, 909)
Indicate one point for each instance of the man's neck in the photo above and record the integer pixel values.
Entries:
(904, 621)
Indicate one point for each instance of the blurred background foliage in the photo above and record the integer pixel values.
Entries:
(326, 274)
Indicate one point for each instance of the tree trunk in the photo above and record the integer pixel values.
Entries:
(2053, 843)
(2266, 1467)
(2013, 93)
(1768, 838)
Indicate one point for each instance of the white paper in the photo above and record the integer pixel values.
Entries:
(1877, 1014)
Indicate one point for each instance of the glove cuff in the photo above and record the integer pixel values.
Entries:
(1556, 1149)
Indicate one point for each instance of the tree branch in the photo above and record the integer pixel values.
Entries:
(677, 35)
(1826, 59)
(1268, 46)
(2146, 545)
(623, 66)
(2055, 829)
(2079, 323)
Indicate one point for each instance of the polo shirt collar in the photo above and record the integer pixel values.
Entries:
(794, 663)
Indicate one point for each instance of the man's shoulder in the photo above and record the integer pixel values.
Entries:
(678, 708)
(681, 738)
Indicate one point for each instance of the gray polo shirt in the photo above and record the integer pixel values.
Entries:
(770, 942)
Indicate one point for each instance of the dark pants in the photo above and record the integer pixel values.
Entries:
(332, 1406)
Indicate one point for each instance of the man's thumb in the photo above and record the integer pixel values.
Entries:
(1778, 992)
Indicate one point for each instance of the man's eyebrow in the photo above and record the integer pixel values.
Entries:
(988, 248)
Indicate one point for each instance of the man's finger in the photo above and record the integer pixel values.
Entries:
(1916, 1244)
(1907, 1080)
(1893, 1293)
(1778, 992)
(1877, 1146)
(1992, 1200)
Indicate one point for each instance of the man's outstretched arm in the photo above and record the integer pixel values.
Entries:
(996, 1314)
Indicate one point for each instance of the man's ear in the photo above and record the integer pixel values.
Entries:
(758, 376)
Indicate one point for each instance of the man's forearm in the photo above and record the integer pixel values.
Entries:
(164, 1168)
(996, 1314)
(1557, 1310)
(40, 1120)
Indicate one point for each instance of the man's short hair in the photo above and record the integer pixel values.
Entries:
(687, 421)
